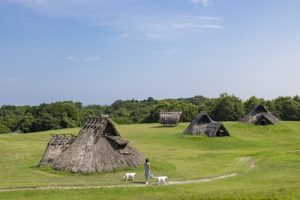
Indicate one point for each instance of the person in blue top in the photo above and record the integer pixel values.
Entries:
(148, 173)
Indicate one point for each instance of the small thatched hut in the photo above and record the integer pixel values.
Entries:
(199, 124)
(169, 118)
(260, 116)
(216, 129)
(98, 147)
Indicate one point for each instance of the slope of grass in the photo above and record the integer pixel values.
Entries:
(266, 158)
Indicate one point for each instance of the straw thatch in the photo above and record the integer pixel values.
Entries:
(169, 118)
(260, 116)
(98, 147)
(216, 129)
(55, 147)
(199, 124)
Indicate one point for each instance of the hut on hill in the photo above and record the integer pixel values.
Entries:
(98, 147)
(169, 118)
(204, 125)
(216, 129)
(260, 116)
(199, 124)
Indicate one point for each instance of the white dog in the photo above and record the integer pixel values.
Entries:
(129, 176)
(162, 179)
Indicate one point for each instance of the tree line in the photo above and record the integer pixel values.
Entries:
(68, 114)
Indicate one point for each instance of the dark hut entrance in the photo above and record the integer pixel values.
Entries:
(263, 121)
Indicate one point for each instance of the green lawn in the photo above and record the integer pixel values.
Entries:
(267, 160)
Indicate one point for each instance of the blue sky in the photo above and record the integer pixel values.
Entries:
(98, 51)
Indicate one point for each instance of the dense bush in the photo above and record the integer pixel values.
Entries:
(227, 108)
(69, 114)
(4, 129)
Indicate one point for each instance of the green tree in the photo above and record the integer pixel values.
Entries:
(287, 108)
(228, 108)
(4, 129)
(252, 102)
(25, 124)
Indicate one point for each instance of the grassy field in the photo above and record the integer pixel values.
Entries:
(267, 160)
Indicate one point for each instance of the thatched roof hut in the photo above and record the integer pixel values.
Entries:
(216, 129)
(169, 118)
(260, 116)
(55, 147)
(199, 124)
(98, 147)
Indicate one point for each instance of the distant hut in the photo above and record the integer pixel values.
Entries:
(98, 147)
(216, 129)
(199, 124)
(260, 116)
(169, 118)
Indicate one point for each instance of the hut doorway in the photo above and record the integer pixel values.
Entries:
(263, 121)
(221, 133)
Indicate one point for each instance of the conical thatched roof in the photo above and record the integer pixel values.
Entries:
(204, 125)
(216, 129)
(199, 124)
(98, 147)
(169, 118)
(260, 116)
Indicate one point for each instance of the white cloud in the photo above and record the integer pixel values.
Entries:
(83, 59)
(204, 3)
(190, 25)
(134, 18)
(211, 26)
(204, 18)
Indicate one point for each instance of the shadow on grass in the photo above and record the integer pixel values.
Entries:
(139, 182)
(163, 126)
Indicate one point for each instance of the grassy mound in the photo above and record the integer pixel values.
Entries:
(266, 158)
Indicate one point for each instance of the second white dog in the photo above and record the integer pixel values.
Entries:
(162, 179)
(129, 176)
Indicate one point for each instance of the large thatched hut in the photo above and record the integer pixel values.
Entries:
(260, 116)
(199, 124)
(98, 147)
(169, 118)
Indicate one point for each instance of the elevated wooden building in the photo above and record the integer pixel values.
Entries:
(169, 118)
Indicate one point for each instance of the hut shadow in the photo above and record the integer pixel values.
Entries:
(139, 182)
(163, 126)
(157, 126)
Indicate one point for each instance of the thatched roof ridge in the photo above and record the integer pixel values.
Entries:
(216, 129)
(98, 147)
(169, 118)
(260, 116)
(199, 124)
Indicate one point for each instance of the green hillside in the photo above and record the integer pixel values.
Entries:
(267, 160)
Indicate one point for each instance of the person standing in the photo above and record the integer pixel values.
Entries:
(148, 173)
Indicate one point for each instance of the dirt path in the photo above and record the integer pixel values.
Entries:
(204, 180)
